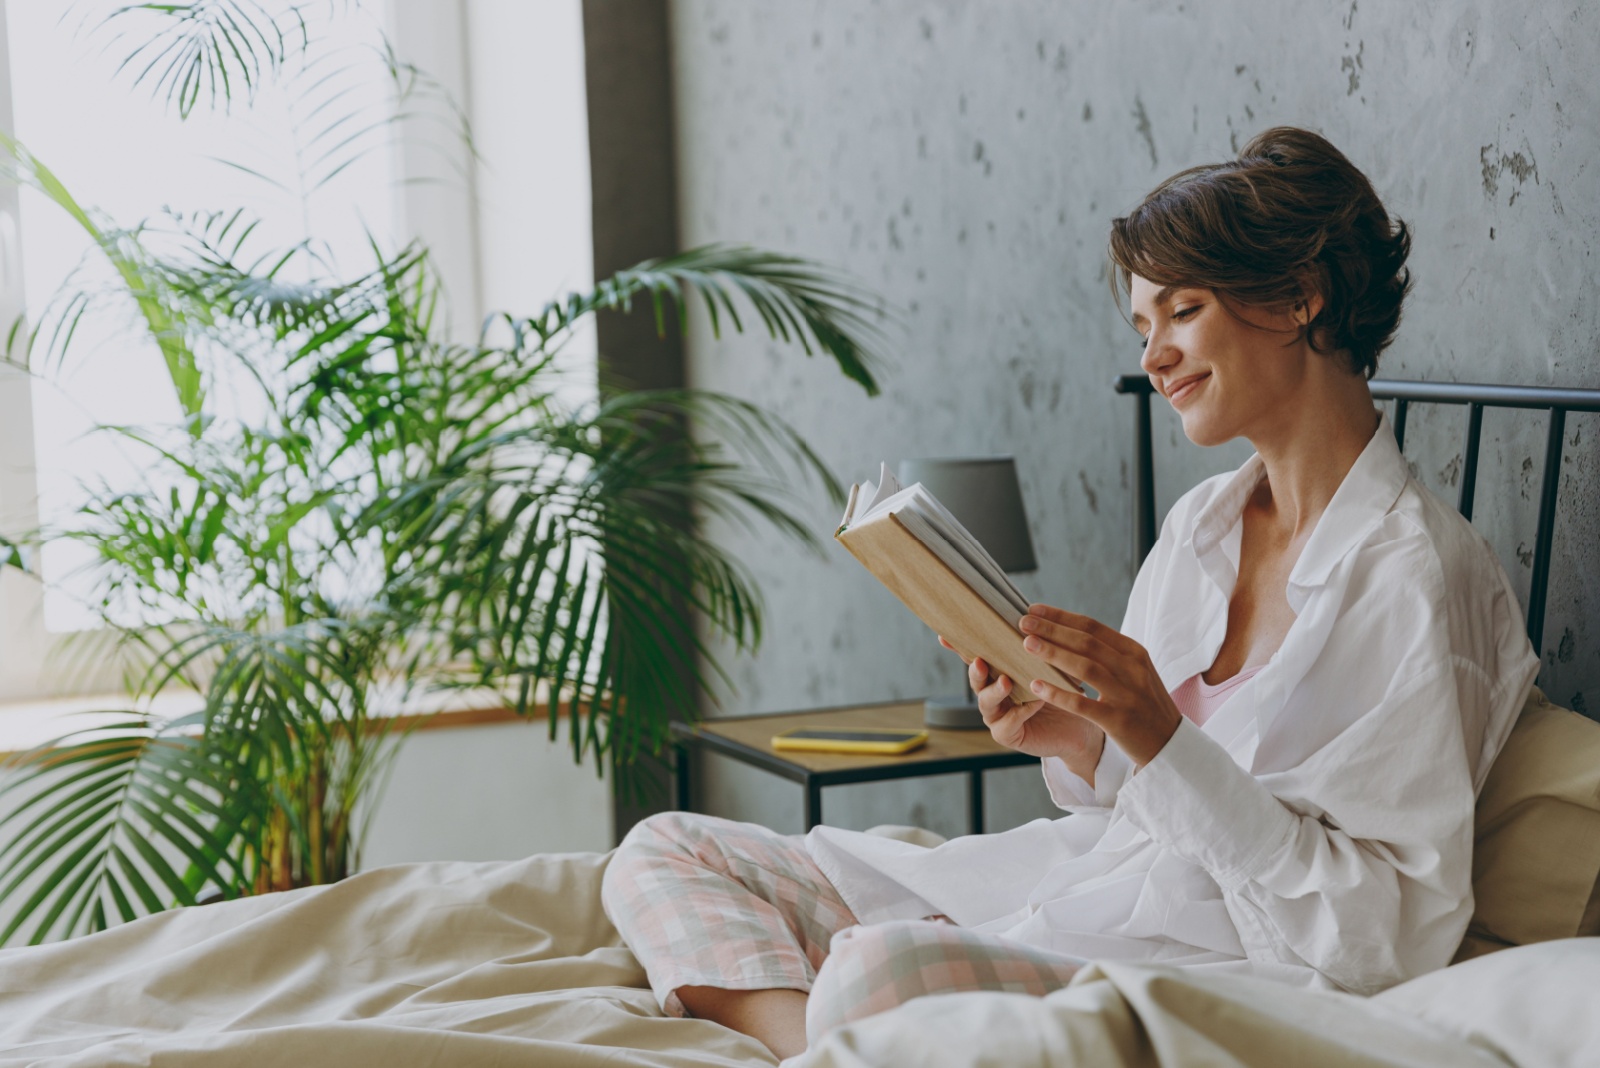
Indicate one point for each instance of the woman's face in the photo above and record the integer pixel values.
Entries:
(1225, 377)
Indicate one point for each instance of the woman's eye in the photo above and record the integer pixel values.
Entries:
(1185, 313)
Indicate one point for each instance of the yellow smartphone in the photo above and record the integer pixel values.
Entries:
(854, 740)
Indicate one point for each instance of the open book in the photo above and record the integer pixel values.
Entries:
(914, 546)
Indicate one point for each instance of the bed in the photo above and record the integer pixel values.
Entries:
(515, 963)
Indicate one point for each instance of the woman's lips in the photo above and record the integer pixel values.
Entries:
(1186, 387)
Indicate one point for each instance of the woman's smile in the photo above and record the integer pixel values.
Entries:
(1185, 387)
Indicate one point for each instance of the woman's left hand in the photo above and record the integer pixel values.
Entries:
(1134, 708)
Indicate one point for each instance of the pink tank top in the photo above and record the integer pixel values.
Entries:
(1199, 702)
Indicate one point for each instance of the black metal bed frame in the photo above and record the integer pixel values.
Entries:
(1558, 402)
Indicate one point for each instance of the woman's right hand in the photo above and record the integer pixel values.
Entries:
(1036, 728)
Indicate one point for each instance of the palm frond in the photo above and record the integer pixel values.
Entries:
(118, 821)
(214, 53)
(206, 50)
(134, 266)
(338, 121)
(497, 526)
(796, 301)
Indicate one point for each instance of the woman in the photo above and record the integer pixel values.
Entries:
(1277, 771)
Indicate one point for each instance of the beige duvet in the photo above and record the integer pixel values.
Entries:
(473, 965)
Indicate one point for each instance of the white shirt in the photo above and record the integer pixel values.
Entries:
(1318, 829)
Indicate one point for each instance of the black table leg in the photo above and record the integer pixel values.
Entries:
(813, 803)
(680, 777)
(975, 801)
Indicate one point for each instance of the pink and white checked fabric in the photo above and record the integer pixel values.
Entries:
(872, 969)
(704, 901)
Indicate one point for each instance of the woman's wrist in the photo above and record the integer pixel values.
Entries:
(1082, 761)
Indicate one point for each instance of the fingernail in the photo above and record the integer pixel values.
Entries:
(1036, 686)
(1033, 645)
(1029, 623)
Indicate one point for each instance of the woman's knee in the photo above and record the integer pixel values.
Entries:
(654, 831)
(652, 842)
(645, 844)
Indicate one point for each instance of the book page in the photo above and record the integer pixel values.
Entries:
(865, 497)
(1003, 599)
(928, 507)
(934, 525)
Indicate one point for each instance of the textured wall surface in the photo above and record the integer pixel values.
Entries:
(965, 158)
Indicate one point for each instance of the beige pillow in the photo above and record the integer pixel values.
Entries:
(1536, 864)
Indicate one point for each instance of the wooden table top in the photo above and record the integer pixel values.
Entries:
(755, 732)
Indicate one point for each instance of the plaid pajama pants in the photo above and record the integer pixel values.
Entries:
(704, 901)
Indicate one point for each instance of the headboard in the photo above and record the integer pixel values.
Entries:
(1558, 402)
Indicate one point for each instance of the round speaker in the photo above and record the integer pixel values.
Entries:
(952, 713)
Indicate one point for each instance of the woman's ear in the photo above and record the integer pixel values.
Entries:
(1309, 306)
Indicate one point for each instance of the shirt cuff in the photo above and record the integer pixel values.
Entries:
(1194, 800)
(1070, 791)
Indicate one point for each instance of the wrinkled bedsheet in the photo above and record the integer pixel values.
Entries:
(500, 964)
(1532, 1007)
(468, 965)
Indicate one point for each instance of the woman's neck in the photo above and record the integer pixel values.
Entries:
(1309, 451)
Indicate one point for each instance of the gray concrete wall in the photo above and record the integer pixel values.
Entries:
(965, 158)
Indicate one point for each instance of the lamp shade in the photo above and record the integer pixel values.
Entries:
(985, 496)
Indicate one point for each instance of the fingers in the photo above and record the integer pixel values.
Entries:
(1131, 705)
(992, 698)
(1060, 696)
(1088, 625)
(991, 690)
(978, 674)
(1089, 708)
(1111, 717)
(1105, 677)
(1083, 654)
(1140, 731)
(991, 694)
(1001, 712)
(1079, 641)
(1007, 720)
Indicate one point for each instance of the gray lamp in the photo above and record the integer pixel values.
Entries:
(985, 496)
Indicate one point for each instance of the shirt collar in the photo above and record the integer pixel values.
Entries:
(1218, 518)
(1366, 495)
(1368, 491)
(1221, 514)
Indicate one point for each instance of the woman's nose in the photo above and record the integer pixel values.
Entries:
(1158, 354)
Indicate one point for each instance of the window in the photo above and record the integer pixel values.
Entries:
(509, 228)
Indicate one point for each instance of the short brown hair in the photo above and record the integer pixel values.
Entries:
(1290, 213)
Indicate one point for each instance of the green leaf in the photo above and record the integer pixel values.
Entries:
(97, 801)
(134, 266)
(795, 299)
(11, 555)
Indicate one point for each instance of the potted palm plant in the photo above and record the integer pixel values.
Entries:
(391, 512)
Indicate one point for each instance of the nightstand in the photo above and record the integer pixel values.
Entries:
(749, 739)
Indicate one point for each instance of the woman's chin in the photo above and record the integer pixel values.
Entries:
(1202, 431)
